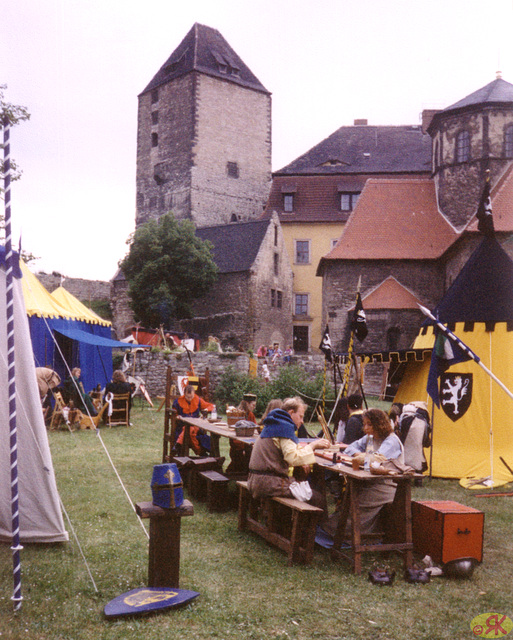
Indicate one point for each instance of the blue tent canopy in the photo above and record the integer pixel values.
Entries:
(91, 338)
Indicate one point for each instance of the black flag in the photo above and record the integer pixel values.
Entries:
(359, 322)
(325, 345)
(484, 213)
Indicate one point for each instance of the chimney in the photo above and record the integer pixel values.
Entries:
(361, 122)
(427, 116)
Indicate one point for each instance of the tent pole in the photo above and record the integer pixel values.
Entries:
(11, 374)
(432, 437)
(466, 349)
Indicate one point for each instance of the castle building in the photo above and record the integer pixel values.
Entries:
(408, 238)
(315, 195)
(203, 136)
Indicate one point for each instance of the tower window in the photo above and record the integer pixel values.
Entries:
(508, 141)
(275, 235)
(463, 146)
(154, 96)
(276, 264)
(154, 139)
(154, 117)
(232, 169)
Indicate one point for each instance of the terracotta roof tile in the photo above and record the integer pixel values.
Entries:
(390, 294)
(396, 220)
(316, 198)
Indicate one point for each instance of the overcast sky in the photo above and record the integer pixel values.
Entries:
(78, 66)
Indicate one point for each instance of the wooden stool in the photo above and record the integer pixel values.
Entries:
(164, 548)
(217, 490)
(197, 486)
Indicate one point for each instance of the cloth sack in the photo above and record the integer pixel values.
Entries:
(301, 491)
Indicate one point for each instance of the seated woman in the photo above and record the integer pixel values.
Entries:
(277, 449)
(118, 385)
(239, 451)
(74, 391)
(386, 446)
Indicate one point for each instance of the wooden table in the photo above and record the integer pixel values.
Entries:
(217, 430)
(398, 538)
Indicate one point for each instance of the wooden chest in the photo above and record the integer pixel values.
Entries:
(447, 530)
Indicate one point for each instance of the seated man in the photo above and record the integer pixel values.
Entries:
(277, 449)
(191, 405)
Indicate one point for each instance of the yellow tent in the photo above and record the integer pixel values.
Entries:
(473, 428)
(79, 310)
(38, 302)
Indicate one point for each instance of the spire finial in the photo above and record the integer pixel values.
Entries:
(498, 75)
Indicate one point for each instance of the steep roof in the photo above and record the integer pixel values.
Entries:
(316, 198)
(482, 292)
(367, 149)
(497, 92)
(205, 50)
(235, 245)
(395, 220)
(390, 294)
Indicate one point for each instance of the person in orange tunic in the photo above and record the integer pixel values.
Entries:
(190, 405)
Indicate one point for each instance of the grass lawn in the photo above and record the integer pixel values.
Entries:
(246, 589)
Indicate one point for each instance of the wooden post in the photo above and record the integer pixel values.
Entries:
(164, 547)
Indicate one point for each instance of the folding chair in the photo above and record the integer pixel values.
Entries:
(120, 414)
(60, 411)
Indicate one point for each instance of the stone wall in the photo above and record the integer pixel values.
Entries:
(84, 290)
(187, 137)
(460, 184)
(152, 367)
(423, 279)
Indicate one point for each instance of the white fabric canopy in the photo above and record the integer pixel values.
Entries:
(40, 513)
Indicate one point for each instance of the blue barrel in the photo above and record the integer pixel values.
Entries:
(167, 486)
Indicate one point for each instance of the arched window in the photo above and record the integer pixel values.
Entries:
(463, 146)
(508, 141)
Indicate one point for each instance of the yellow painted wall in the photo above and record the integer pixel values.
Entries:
(320, 236)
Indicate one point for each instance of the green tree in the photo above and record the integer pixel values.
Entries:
(11, 114)
(167, 268)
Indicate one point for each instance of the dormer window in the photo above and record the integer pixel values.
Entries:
(463, 146)
(348, 200)
(288, 202)
(508, 141)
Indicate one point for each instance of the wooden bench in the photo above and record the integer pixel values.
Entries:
(217, 490)
(190, 469)
(285, 523)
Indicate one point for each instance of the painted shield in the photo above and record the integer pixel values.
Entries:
(455, 394)
(146, 600)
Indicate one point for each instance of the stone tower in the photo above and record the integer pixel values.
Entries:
(469, 137)
(203, 136)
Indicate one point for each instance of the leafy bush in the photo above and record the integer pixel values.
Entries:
(291, 381)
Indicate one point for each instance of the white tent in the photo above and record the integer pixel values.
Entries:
(40, 514)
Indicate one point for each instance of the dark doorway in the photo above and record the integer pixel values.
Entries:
(300, 339)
